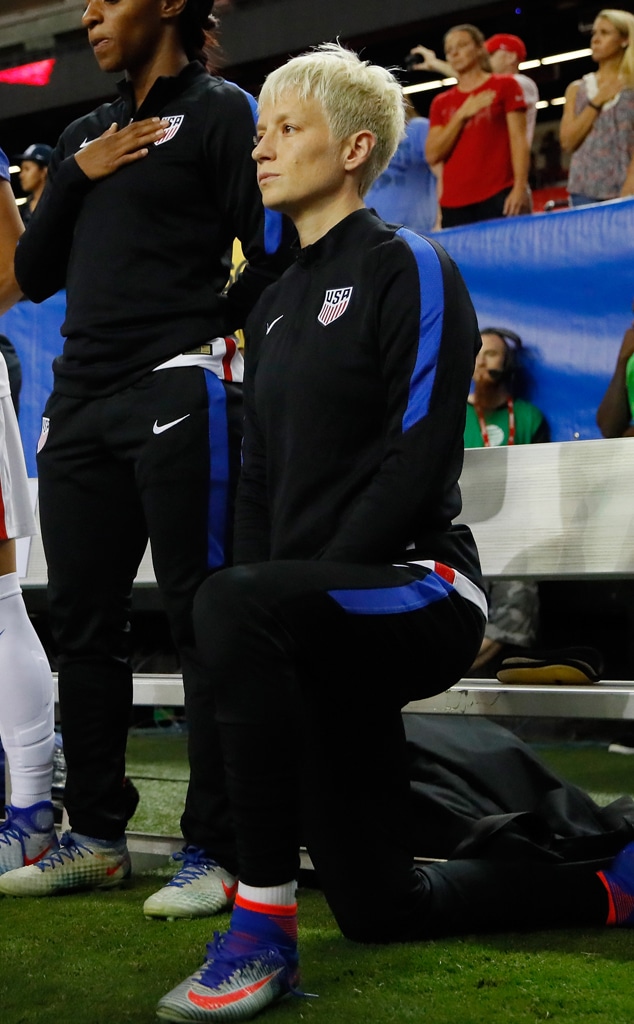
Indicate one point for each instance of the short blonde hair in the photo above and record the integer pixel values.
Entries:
(354, 95)
(623, 22)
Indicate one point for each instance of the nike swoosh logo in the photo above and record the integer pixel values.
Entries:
(269, 327)
(85, 143)
(166, 426)
(213, 1002)
(230, 890)
(42, 855)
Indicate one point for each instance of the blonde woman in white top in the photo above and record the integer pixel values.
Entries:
(597, 126)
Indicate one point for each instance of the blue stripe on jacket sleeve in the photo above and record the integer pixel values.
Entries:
(432, 305)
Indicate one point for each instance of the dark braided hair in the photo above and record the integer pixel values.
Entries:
(199, 33)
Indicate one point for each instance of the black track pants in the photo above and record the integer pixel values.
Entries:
(156, 460)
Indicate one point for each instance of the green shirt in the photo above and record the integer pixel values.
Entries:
(629, 383)
(530, 425)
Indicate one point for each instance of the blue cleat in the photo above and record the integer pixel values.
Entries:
(235, 983)
(27, 835)
(78, 863)
(619, 882)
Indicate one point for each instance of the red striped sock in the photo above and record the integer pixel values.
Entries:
(265, 921)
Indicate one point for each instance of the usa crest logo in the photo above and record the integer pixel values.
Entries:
(175, 121)
(335, 304)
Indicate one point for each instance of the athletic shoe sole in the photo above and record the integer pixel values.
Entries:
(527, 671)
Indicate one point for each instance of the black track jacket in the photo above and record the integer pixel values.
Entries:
(145, 253)
(358, 366)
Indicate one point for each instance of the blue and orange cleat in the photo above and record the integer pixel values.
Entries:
(234, 984)
(618, 879)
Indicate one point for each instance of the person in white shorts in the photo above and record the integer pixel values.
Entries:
(27, 724)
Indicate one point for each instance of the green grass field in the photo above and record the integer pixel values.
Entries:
(92, 958)
(157, 762)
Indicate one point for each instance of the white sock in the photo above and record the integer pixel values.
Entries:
(27, 706)
(275, 895)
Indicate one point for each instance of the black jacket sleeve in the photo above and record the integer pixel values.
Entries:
(43, 251)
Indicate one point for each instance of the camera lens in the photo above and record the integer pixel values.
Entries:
(410, 60)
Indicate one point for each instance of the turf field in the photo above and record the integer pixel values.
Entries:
(93, 958)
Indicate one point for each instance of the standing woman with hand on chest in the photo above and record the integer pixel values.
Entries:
(478, 133)
(597, 125)
(141, 435)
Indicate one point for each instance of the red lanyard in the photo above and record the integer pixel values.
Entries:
(483, 426)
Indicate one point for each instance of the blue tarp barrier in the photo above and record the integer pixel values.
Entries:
(34, 331)
(563, 281)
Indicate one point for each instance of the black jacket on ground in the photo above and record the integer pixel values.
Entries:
(479, 791)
